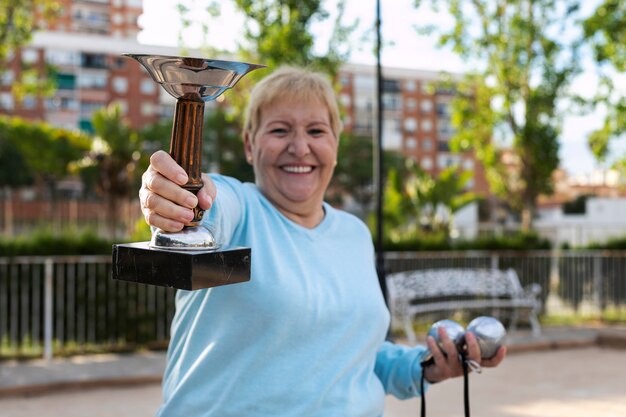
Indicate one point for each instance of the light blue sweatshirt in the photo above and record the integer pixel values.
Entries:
(304, 337)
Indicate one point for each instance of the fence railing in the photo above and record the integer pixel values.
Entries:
(68, 304)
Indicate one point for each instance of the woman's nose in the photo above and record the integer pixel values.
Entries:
(299, 145)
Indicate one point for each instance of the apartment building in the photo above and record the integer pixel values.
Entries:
(82, 52)
(416, 117)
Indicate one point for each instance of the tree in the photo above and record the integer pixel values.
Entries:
(526, 67)
(18, 21)
(45, 152)
(605, 30)
(438, 199)
(279, 32)
(115, 152)
(417, 203)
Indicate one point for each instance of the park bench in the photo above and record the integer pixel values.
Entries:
(412, 293)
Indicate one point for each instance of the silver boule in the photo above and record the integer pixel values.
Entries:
(490, 334)
(453, 329)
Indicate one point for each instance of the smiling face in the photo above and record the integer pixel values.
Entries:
(294, 152)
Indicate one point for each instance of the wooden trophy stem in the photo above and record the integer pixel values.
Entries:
(186, 145)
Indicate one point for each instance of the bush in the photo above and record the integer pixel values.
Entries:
(439, 242)
(47, 243)
(618, 243)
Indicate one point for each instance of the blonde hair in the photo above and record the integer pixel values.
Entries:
(291, 83)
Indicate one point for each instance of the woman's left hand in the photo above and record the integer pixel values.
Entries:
(446, 359)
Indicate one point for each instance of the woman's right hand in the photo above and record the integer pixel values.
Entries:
(164, 203)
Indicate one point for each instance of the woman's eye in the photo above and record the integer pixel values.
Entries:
(316, 132)
(279, 131)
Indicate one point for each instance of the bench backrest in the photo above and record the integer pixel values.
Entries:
(429, 283)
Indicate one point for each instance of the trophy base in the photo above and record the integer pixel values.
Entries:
(185, 270)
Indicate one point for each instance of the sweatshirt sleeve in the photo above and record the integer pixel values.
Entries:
(225, 215)
(398, 368)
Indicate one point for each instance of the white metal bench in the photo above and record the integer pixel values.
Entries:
(435, 290)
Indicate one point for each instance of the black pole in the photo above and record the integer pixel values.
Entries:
(378, 161)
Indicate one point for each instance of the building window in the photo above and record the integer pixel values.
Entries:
(65, 81)
(444, 128)
(443, 146)
(427, 106)
(427, 144)
(6, 101)
(411, 104)
(427, 125)
(447, 160)
(92, 80)
(147, 109)
(443, 109)
(392, 101)
(411, 143)
(29, 56)
(120, 85)
(409, 85)
(59, 57)
(427, 163)
(8, 77)
(62, 104)
(123, 104)
(410, 124)
(87, 108)
(93, 61)
(119, 63)
(468, 164)
(29, 102)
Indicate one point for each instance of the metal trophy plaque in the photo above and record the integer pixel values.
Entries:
(192, 258)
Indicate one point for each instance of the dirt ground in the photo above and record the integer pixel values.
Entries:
(573, 382)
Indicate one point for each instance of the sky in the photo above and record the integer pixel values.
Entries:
(403, 48)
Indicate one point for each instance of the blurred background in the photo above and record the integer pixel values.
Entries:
(501, 145)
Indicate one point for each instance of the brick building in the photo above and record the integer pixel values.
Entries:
(416, 117)
(83, 47)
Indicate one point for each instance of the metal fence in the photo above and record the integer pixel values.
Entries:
(70, 304)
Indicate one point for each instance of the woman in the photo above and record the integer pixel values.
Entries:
(306, 335)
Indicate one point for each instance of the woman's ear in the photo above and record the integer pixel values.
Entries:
(247, 147)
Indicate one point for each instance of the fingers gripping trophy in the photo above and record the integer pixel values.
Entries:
(192, 258)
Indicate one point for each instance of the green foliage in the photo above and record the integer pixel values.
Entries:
(279, 32)
(44, 242)
(605, 30)
(617, 243)
(513, 97)
(44, 151)
(17, 24)
(223, 146)
(115, 152)
(14, 172)
(420, 207)
(441, 242)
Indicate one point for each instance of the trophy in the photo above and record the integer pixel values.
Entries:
(192, 258)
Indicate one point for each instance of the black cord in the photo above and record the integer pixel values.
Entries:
(465, 386)
(466, 403)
